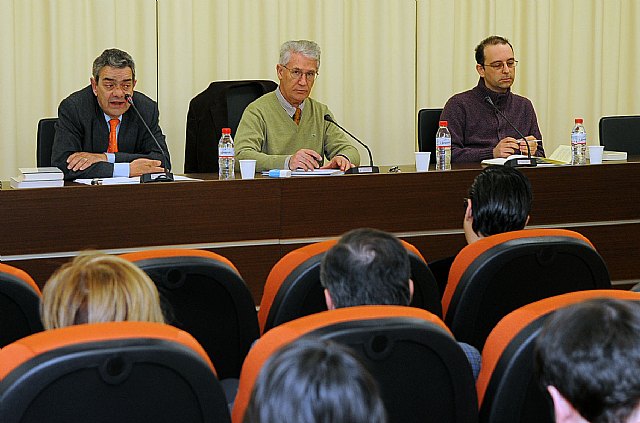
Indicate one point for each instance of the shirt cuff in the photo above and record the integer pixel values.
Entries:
(111, 157)
(121, 170)
(286, 162)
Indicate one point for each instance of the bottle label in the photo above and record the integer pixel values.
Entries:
(578, 138)
(443, 142)
(226, 152)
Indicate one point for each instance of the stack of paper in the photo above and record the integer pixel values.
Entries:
(38, 177)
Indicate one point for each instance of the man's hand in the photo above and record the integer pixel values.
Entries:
(82, 160)
(305, 159)
(339, 162)
(506, 147)
(533, 145)
(141, 166)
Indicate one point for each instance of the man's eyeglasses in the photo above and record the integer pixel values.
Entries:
(500, 65)
(297, 74)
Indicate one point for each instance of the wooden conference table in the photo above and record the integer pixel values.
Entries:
(255, 222)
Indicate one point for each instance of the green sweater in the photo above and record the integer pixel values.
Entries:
(267, 134)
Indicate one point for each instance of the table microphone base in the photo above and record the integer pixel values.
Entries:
(362, 169)
(521, 162)
(156, 177)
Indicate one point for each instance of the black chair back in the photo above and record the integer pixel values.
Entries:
(219, 106)
(46, 134)
(19, 307)
(134, 379)
(515, 272)
(428, 123)
(620, 133)
(302, 294)
(211, 301)
(423, 374)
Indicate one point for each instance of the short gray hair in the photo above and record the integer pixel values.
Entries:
(116, 59)
(307, 48)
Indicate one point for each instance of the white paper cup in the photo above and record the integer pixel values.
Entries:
(248, 169)
(595, 154)
(422, 161)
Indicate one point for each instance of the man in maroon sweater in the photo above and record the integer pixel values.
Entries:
(478, 131)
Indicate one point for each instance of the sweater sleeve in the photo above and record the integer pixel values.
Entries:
(250, 138)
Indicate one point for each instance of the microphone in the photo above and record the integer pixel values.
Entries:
(515, 162)
(359, 169)
(167, 176)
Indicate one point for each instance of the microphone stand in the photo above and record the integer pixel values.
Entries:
(167, 176)
(358, 169)
(515, 162)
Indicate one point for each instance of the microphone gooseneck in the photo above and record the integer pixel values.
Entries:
(371, 168)
(530, 162)
(148, 177)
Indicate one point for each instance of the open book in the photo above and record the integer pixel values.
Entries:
(540, 161)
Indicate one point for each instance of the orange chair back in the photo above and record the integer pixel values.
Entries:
(507, 387)
(204, 294)
(497, 274)
(388, 339)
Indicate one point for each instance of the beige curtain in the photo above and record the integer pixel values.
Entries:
(382, 59)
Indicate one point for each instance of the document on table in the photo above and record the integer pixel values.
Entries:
(124, 180)
(540, 161)
(317, 172)
(314, 172)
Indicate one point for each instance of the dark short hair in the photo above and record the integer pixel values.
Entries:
(489, 41)
(590, 352)
(314, 381)
(116, 59)
(367, 267)
(500, 200)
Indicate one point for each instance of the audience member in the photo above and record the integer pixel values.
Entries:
(314, 381)
(499, 201)
(371, 267)
(588, 359)
(97, 288)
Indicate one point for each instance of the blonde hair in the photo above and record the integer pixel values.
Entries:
(97, 287)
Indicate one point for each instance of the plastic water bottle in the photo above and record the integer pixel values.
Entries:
(443, 147)
(226, 155)
(578, 143)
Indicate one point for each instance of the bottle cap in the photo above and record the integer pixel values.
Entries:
(443, 123)
(226, 131)
(578, 120)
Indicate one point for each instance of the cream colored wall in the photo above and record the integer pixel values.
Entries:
(382, 59)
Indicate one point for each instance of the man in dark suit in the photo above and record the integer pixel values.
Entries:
(97, 136)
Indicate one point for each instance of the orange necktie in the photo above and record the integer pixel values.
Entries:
(296, 116)
(113, 142)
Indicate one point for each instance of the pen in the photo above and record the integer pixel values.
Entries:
(96, 181)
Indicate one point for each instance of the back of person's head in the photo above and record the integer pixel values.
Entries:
(314, 381)
(95, 288)
(367, 267)
(500, 200)
(589, 354)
